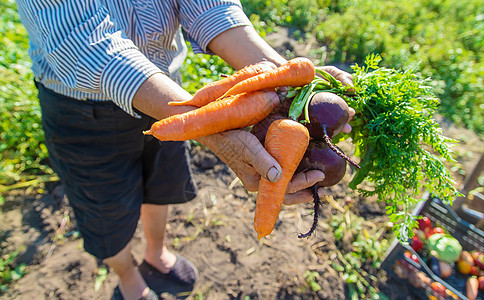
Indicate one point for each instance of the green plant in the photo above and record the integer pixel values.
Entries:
(22, 151)
(201, 69)
(311, 279)
(102, 274)
(7, 274)
(444, 37)
(303, 14)
(400, 143)
(360, 248)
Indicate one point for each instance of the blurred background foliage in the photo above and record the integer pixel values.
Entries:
(445, 38)
(22, 152)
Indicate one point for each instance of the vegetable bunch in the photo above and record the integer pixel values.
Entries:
(242, 100)
(399, 143)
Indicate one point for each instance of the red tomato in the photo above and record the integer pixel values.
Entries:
(481, 282)
(435, 230)
(424, 224)
(439, 289)
(478, 259)
(417, 243)
(411, 256)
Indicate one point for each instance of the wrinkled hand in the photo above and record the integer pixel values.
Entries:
(250, 161)
(346, 79)
(299, 189)
(245, 155)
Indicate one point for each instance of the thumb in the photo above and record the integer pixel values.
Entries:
(257, 156)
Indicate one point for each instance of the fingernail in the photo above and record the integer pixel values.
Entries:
(272, 174)
(321, 178)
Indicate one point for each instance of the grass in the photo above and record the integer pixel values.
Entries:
(22, 151)
(359, 252)
(8, 273)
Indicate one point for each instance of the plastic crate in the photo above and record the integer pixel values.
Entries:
(470, 237)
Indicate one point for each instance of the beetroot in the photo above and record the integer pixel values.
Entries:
(319, 156)
(327, 110)
(260, 129)
(328, 114)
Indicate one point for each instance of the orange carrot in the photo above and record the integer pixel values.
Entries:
(296, 72)
(286, 141)
(214, 90)
(231, 113)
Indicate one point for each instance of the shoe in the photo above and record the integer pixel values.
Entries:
(118, 296)
(180, 280)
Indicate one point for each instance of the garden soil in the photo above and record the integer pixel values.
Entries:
(215, 231)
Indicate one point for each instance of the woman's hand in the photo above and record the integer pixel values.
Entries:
(346, 79)
(250, 161)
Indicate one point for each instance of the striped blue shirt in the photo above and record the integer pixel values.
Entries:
(103, 50)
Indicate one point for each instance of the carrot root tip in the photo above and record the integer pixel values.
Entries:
(259, 236)
(147, 132)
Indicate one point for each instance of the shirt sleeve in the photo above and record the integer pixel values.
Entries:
(86, 50)
(203, 20)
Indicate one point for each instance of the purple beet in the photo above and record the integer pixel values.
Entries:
(319, 156)
(260, 129)
(329, 110)
(328, 114)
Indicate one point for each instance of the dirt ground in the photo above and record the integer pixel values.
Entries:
(215, 231)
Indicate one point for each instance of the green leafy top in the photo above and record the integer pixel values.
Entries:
(398, 141)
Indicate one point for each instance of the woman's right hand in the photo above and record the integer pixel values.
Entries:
(250, 161)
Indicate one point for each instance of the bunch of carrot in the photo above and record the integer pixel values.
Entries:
(241, 100)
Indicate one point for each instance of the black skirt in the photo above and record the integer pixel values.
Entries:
(109, 168)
